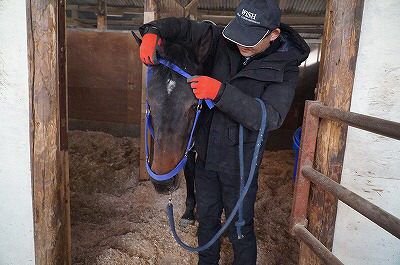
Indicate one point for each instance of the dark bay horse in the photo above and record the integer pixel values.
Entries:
(173, 106)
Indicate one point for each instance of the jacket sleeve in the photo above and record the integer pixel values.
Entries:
(173, 29)
(247, 111)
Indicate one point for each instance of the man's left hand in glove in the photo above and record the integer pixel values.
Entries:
(204, 87)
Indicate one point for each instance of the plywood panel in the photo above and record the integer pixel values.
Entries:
(104, 76)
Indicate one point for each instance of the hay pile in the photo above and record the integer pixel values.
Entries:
(118, 220)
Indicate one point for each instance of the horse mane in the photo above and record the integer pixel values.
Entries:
(180, 54)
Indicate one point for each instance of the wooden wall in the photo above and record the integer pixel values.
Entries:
(104, 76)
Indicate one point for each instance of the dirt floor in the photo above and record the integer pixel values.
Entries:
(118, 220)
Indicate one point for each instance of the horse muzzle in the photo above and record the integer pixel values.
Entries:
(166, 186)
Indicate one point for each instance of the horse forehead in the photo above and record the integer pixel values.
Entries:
(170, 90)
(176, 88)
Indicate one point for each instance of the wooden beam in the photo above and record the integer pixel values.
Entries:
(92, 23)
(309, 29)
(191, 10)
(341, 39)
(74, 11)
(168, 8)
(49, 163)
(63, 122)
(78, 23)
(217, 12)
(111, 10)
(62, 67)
(302, 23)
(290, 19)
(101, 14)
(149, 15)
(295, 19)
(219, 20)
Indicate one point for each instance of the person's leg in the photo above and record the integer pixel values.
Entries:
(209, 210)
(245, 249)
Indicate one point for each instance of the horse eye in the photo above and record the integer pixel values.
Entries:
(193, 106)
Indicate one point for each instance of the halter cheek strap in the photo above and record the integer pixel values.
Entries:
(181, 164)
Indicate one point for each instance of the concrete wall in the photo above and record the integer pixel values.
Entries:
(16, 216)
(372, 163)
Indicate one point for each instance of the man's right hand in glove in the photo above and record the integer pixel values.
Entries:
(150, 44)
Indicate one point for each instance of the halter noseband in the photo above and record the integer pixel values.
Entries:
(149, 127)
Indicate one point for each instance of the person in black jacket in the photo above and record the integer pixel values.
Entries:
(254, 56)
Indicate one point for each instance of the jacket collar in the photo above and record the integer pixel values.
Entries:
(290, 47)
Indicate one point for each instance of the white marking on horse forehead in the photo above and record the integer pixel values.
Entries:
(170, 86)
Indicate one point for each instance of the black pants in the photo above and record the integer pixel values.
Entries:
(216, 191)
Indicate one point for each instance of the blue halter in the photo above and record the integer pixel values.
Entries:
(149, 127)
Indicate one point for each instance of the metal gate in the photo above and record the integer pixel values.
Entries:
(314, 110)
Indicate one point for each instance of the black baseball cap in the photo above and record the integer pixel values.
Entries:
(254, 20)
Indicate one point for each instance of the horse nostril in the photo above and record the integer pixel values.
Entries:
(166, 186)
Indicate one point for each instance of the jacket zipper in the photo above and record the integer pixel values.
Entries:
(246, 61)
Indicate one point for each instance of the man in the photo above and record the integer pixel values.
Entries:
(254, 56)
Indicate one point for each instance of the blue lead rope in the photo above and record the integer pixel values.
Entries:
(240, 222)
(239, 203)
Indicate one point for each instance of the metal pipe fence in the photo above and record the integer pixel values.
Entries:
(314, 110)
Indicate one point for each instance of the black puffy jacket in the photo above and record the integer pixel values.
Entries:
(270, 76)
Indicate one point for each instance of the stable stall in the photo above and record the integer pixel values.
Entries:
(74, 187)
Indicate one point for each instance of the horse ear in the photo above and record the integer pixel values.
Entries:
(204, 45)
(138, 40)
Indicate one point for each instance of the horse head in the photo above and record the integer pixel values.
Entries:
(173, 108)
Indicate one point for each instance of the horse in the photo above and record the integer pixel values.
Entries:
(173, 107)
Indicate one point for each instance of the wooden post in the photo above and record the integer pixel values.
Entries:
(74, 11)
(190, 10)
(63, 124)
(49, 157)
(154, 10)
(341, 38)
(149, 15)
(101, 14)
(62, 67)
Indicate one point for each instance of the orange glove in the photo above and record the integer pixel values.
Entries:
(150, 44)
(204, 86)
